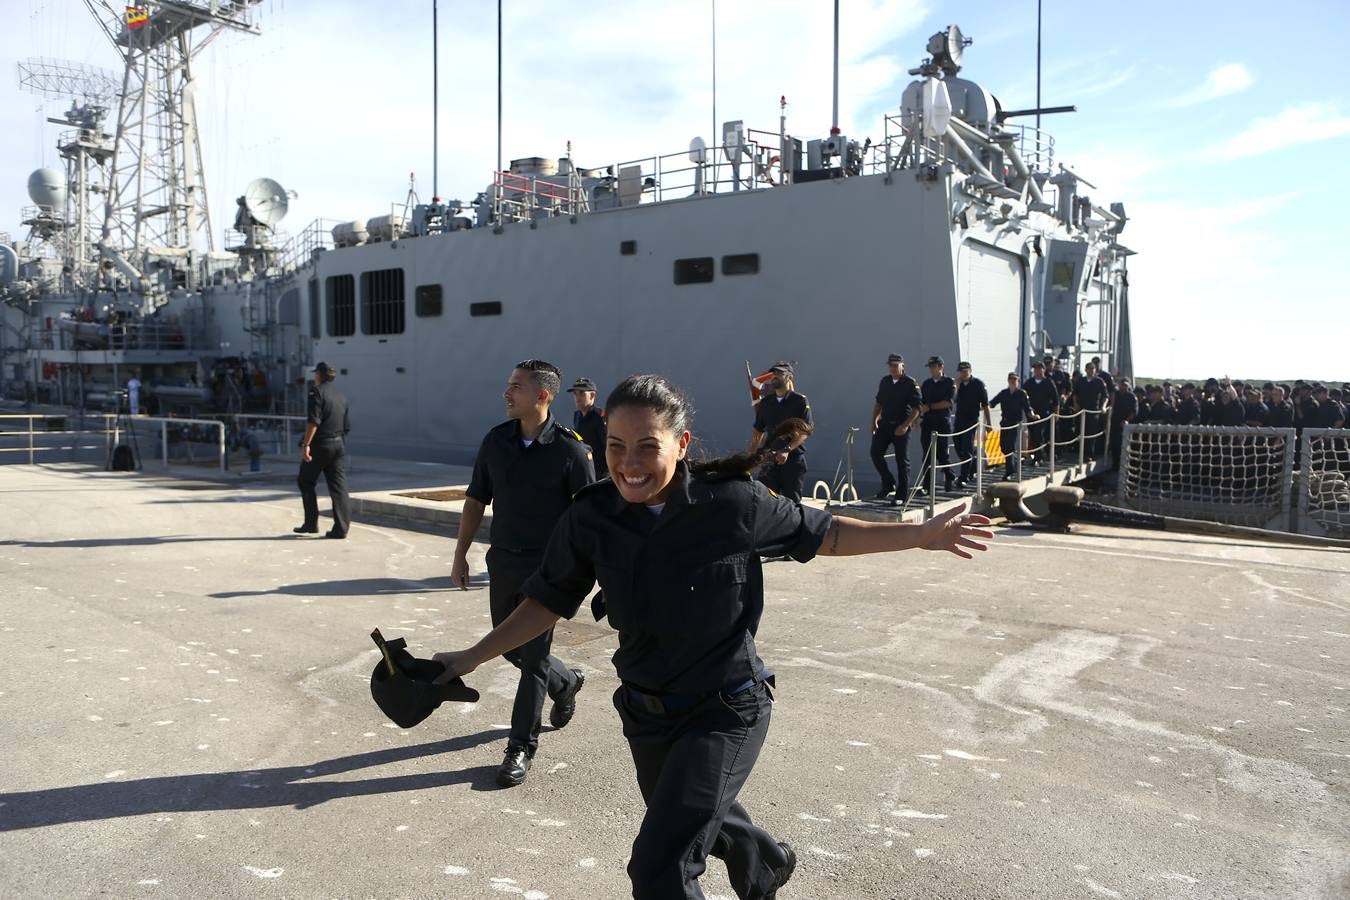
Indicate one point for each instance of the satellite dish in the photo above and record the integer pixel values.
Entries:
(267, 201)
(956, 44)
(698, 151)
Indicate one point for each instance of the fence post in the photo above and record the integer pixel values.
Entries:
(285, 448)
(1021, 442)
(220, 435)
(1053, 418)
(1082, 439)
(1105, 454)
(30, 440)
(982, 433)
(164, 442)
(932, 475)
(1298, 511)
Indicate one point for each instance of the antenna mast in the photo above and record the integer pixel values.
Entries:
(157, 185)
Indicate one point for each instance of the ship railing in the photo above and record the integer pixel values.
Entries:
(155, 337)
(755, 165)
(274, 434)
(1079, 439)
(904, 147)
(172, 441)
(300, 249)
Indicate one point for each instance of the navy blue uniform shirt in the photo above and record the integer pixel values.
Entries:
(1281, 414)
(937, 390)
(1126, 408)
(684, 588)
(770, 411)
(591, 427)
(971, 397)
(528, 487)
(1187, 412)
(1043, 393)
(326, 409)
(897, 398)
(1091, 393)
(1014, 406)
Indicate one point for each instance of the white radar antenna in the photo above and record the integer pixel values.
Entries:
(157, 185)
(84, 146)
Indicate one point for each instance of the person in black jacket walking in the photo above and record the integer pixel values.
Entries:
(1014, 408)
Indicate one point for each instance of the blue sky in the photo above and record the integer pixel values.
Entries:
(1223, 128)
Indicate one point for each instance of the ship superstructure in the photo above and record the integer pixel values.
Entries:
(954, 231)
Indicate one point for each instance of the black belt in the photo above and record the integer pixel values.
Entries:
(327, 437)
(672, 704)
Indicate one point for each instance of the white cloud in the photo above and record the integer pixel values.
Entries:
(1304, 123)
(1222, 80)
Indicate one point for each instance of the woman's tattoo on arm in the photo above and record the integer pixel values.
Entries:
(834, 544)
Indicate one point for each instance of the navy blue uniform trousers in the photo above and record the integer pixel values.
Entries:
(541, 673)
(328, 456)
(690, 768)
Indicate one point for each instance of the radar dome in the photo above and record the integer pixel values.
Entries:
(47, 188)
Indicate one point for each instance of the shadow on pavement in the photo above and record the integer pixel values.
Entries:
(360, 587)
(286, 786)
(140, 541)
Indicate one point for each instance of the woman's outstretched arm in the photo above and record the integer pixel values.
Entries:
(954, 531)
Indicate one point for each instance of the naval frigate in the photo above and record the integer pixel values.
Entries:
(955, 231)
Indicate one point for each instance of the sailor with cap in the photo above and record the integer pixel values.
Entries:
(776, 406)
(937, 395)
(322, 449)
(972, 401)
(589, 421)
(894, 413)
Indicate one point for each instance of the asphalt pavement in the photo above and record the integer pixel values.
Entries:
(185, 712)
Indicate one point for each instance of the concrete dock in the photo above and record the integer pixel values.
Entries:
(185, 712)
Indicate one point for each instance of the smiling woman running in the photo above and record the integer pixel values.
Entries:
(676, 546)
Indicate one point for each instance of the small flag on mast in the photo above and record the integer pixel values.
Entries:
(756, 382)
(137, 17)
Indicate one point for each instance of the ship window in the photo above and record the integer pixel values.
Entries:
(315, 330)
(382, 302)
(341, 293)
(1061, 277)
(694, 270)
(741, 264)
(487, 308)
(627, 248)
(429, 300)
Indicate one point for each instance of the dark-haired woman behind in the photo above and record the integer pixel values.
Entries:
(675, 546)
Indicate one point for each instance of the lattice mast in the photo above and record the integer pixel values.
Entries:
(84, 146)
(157, 184)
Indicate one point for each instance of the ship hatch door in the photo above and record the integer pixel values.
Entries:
(991, 291)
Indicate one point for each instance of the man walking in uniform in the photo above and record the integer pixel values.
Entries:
(775, 407)
(937, 394)
(589, 422)
(528, 468)
(1091, 394)
(1044, 396)
(323, 449)
(972, 401)
(1014, 408)
(893, 414)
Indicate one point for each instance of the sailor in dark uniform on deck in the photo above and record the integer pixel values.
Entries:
(893, 414)
(1014, 408)
(1044, 396)
(783, 474)
(676, 548)
(972, 402)
(936, 396)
